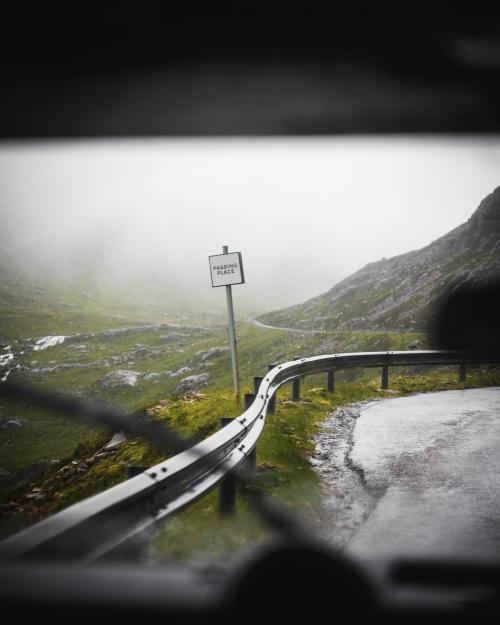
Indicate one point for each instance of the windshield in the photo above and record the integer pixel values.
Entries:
(345, 243)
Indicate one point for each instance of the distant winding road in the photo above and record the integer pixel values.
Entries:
(298, 330)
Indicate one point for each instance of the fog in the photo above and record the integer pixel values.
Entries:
(305, 213)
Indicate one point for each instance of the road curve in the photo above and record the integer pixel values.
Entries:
(415, 475)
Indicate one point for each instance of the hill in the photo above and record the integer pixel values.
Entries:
(398, 293)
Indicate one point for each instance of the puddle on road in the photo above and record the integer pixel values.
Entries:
(347, 502)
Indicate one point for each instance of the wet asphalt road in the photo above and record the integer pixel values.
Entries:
(414, 476)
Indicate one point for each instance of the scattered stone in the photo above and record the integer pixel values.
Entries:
(181, 371)
(8, 423)
(191, 383)
(214, 352)
(171, 336)
(193, 398)
(139, 351)
(115, 442)
(48, 341)
(35, 496)
(120, 377)
(157, 374)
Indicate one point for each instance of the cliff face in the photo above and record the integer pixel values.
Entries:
(398, 293)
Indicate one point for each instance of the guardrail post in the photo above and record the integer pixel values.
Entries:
(296, 389)
(252, 456)
(227, 488)
(330, 381)
(461, 372)
(249, 397)
(257, 381)
(133, 471)
(271, 408)
(384, 383)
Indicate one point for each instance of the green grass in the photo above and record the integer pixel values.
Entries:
(46, 437)
(57, 455)
(283, 470)
(39, 306)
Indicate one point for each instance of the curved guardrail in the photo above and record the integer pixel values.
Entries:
(105, 522)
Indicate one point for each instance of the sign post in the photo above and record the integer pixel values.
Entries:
(226, 269)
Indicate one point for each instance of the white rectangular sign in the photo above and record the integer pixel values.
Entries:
(226, 269)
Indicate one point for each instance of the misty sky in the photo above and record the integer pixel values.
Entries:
(305, 213)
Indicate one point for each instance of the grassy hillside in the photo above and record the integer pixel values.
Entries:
(32, 306)
(159, 358)
(399, 293)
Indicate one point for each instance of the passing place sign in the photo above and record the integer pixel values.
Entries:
(226, 269)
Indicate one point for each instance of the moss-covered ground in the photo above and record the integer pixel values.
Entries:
(79, 366)
(283, 470)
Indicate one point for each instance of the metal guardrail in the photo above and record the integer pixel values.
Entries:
(104, 523)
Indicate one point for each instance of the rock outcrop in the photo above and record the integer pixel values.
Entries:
(119, 378)
(210, 354)
(191, 383)
(400, 293)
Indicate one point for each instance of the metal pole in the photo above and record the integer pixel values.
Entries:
(232, 339)
(461, 372)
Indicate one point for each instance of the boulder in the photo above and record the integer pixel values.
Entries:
(215, 352)
(181, 371)
(16, 422)
(139, 351)
(191, 383)
(154, 375)
(120, 377)
(171, 336)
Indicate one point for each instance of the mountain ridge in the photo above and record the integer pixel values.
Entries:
(400, 293)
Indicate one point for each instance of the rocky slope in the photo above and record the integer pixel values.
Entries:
(398, 293)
